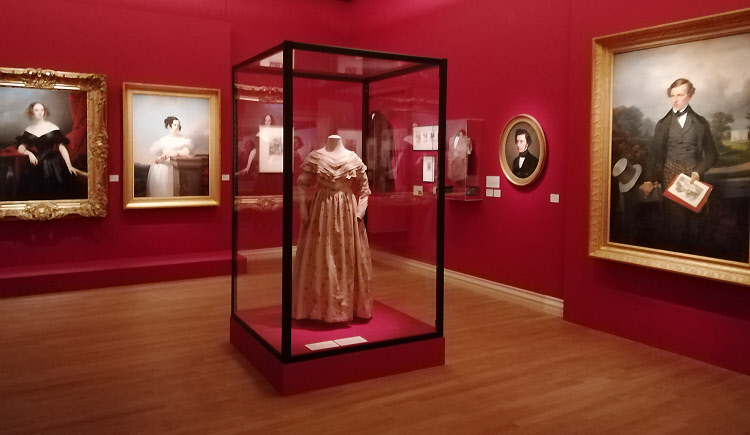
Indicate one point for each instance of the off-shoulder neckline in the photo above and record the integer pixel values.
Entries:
(45, 134)
(335, 159)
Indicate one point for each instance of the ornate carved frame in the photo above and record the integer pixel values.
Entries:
(604, 50)
(214, 147)
(95, 86)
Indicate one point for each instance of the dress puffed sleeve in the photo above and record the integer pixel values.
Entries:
(24, 139)
(188, 143)
(363, 189)
(59, 139)
(157, 148)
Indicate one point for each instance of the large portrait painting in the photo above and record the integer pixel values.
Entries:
(53, 144)
(670, 181)
(171, 146)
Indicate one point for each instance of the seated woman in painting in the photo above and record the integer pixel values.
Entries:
(51, 174)
(161, 182)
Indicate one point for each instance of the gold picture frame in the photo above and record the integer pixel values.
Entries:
(171, 146)
(536, 144)
(632, 224)
(61, 170)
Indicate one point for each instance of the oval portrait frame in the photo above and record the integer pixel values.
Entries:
(508, 152)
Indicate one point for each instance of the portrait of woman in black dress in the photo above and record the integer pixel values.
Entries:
(49, 173)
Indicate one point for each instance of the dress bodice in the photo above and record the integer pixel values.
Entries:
(49, 178)
(334, 173)
(169, 143)
(44, 144)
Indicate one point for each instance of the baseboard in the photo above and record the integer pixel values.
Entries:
(113, 272)
(547, 304)
(261, 254)
(537, 301)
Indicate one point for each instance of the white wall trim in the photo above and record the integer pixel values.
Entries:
(265, 253)
(261, 254)
(537, 301)
(540, 302)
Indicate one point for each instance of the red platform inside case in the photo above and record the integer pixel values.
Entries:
(291, 378)
(386, 324)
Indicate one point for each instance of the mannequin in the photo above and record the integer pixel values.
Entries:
(335, 147)
(460, 148)
(332, 270)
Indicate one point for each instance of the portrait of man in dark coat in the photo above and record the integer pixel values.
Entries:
(525, 164)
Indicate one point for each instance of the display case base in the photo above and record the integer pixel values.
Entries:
(315, 374)
(387, 324)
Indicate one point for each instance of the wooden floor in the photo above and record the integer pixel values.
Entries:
(156, 359)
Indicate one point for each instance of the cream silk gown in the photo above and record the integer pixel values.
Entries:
(332, 278)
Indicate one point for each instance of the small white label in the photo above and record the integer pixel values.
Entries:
(349, 341)
(497, 193)
(490, 192)
(554, 198)
(114, 178)
(322, 345)
(434, 190)
(418, 191)
(493, 181)
(224, 177)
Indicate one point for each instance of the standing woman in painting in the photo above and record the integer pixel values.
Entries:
(160, 182)
(51, 174)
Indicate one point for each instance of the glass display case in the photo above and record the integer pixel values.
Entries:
(338, 221)
(462, 159)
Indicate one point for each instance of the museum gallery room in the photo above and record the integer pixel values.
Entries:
(489, 216)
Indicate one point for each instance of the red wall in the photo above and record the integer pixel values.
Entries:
(499, 65)
(505, 58)
(125, 45)
(185, 43)
(696, 317)
(535, 57)
(258, 25)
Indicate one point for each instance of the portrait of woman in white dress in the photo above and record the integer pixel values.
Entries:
(161, 180)
(178, 167)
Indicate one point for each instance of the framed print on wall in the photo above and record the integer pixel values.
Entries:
(53, 144)
(425, 138)
(670, 172)
(523, 150)
(428, 169)
(271, 149)
(171, 146)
